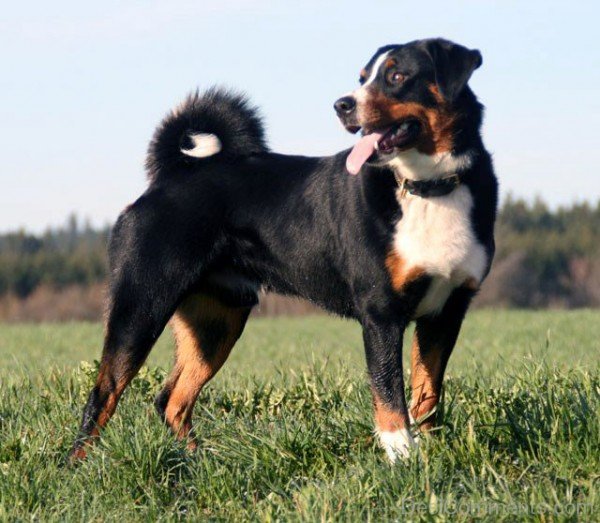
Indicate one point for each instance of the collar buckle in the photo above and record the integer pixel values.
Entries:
(401, 181)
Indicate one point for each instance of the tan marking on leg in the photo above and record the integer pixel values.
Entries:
(196, 364)
(433, 342)
(112, 388)
(426, 371)
(392, 430)
(113, 378)
(387, 419)
(79, 453)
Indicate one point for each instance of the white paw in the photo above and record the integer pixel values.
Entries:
(398, 444)
(205, 144)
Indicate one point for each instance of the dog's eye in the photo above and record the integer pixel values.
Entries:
(394, 77)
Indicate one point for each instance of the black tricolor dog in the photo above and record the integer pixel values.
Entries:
(410, 238)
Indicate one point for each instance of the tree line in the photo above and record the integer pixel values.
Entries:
(545, 257)
(74, 254)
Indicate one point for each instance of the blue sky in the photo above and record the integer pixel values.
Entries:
(83, 85)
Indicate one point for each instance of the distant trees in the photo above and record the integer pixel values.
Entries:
(72, 255)
(545, 258)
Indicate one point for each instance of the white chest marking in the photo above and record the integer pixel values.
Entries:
(435, 234)
(418, 166)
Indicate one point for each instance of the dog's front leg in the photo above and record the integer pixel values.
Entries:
(433, 342)
(382, 335)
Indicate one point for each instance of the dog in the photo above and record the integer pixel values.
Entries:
(395, 230)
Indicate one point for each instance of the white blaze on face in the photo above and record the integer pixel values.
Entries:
(361, 93)
(367, 145)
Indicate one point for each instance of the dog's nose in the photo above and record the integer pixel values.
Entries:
(345, 105)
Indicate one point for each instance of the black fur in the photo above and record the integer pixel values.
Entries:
(454, 64)
(246, 218)
(221, 112)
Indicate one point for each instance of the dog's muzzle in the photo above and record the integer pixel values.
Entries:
(345, 107)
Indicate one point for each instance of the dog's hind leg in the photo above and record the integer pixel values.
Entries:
(134, 324)
(205, 331)
(152, 267)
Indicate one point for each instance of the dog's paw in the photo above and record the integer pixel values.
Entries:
(398, 444)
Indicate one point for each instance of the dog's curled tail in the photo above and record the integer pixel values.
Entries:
(218, 124)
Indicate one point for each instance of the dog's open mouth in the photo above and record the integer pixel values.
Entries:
(382, 141)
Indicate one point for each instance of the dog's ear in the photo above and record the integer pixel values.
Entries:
(453, 65)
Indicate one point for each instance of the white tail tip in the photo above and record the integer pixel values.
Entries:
(205, 145)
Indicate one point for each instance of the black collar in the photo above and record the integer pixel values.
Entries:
(428, 188)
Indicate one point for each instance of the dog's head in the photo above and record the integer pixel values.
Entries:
(409, 99)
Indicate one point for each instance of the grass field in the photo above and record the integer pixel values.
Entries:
(285, 430)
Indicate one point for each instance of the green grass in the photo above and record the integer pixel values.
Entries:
(286, 434)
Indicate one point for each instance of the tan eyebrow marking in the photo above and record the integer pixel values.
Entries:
(390, 62)
(363, 74)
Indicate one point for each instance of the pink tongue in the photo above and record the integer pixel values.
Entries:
(361, 151)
